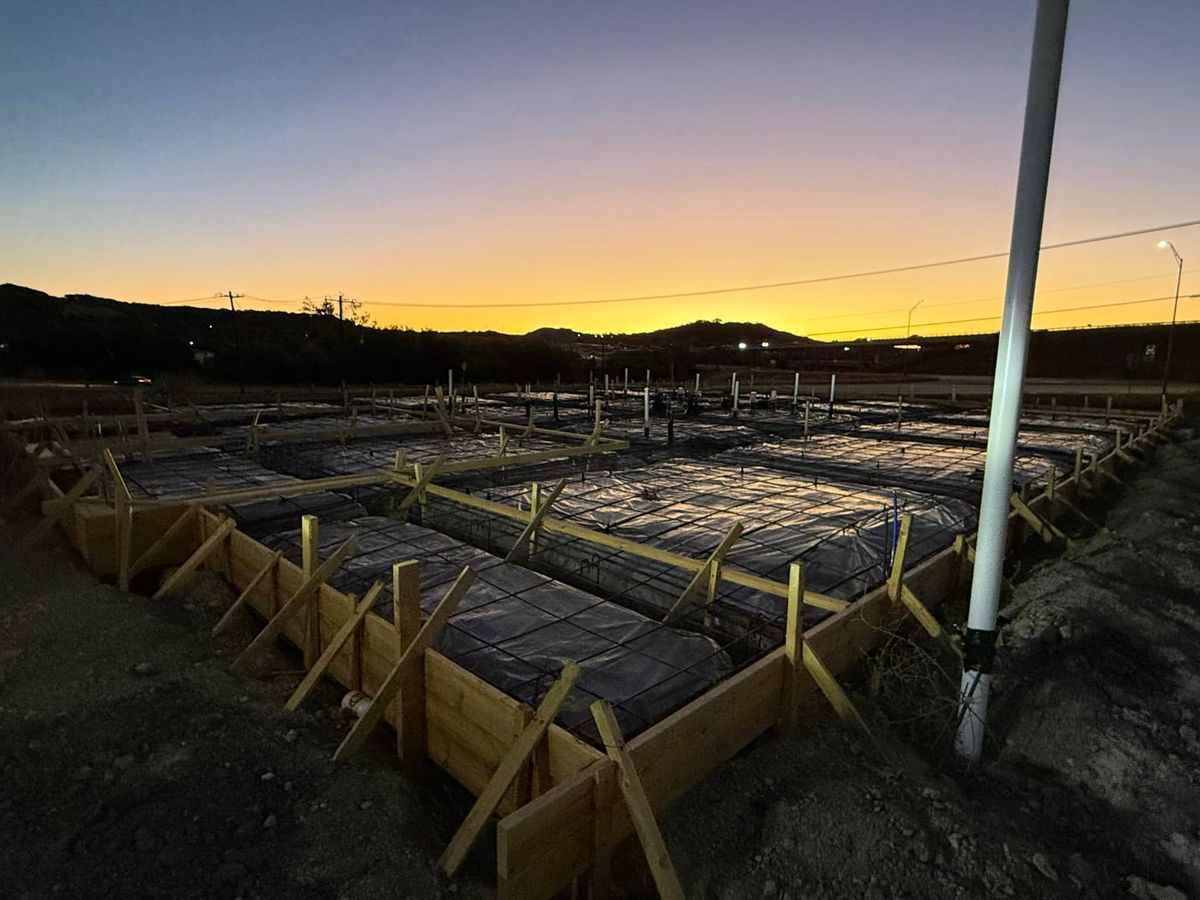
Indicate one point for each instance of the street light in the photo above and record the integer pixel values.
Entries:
(908, 327)
(1162, 245)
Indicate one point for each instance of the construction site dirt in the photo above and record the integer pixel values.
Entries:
(135, 764)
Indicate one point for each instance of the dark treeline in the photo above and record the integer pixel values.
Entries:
(83, 337)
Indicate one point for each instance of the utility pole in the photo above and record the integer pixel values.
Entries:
(1033, 173)
(1174, 315)
(237, 336)
(341, 343)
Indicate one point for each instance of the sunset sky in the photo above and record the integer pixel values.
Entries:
(509, 152)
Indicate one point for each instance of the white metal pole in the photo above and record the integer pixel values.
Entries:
(737, 385)
(832, 392)
(605, 385)
(647, 377)
(697, 383)
(1041, 103)
(795, 391)
(646, 411)
(450, 383)
(627, 379)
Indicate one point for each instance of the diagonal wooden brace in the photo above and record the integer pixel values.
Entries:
(245, 595)
(1045, 529)
(506, 773)
(637, 803)
(423, 478)
(836, 696)
(334, 647)
(62, 508)
(440, 410)
(523, 546)
(193, 562)
(177, 527)
(308, 590)
(410, 657)
(707, 577)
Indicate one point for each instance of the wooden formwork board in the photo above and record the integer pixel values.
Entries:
(469, 723)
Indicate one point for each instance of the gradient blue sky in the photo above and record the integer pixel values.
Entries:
(480, 152)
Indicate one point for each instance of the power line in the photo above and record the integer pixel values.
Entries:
(892, 309)
(780, 284)
(1044, 312)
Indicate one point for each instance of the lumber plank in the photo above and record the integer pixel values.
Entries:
(644, 823)
(333, 648)
(391, 685)
(193, 562)
(510, 766)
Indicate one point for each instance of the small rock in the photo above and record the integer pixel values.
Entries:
(268, 776)
(124, 761)
(270, 821)
(1042, 864)
(145, 669)
(366, 804)
(1148, 890)
(291, 736)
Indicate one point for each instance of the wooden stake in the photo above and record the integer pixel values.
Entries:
(410, 657)
(334, 647)
(510, 766)
(424, 477)
(312, 616)
(245, 595)
(523, 547)
(406, 616)
(310, 588)
(123, 507)
(793, 645)
(896, 578)
(706, 575)
(638, 805)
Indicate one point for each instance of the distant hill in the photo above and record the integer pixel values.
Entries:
(85, 337)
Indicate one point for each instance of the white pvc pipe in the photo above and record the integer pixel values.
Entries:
(737, 386)
(697, 382)
(450, 384)
(646, 410)
(627, 379)
(795, 391)
(1041, 104)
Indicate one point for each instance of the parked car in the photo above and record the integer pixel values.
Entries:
(132, 380)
